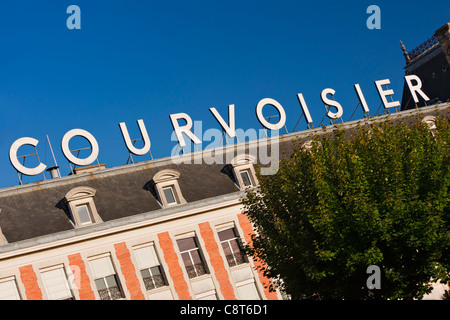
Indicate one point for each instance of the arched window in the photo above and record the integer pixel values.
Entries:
(167, 188)
(80, 202)
(244, 171)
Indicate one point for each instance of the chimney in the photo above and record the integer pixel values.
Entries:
(443, 35)
(53, 172)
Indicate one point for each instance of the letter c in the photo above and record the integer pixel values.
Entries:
(15, 162)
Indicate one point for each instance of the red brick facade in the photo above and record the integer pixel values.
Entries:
(176, 273)
(29, 280)
(216, 261)
(130, 274)
(84, 287)
(129, 271)
(247, 228)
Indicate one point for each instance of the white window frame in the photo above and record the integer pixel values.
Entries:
(161, 267)
(244, 163)
(168, 179)
(14, 282)
(200, 253)
(237, 238)
(115, 274)
(67, 284)
(80, 196)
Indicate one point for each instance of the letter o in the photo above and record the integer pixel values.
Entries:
(264, 122)
(82, 133)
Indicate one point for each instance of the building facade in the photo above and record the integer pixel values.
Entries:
(145, 231)
(430, 61)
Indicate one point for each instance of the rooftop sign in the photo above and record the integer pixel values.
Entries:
(413, 82)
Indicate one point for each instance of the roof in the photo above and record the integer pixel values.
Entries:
(37, 209)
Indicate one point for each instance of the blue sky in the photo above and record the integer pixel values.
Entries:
(149, 59)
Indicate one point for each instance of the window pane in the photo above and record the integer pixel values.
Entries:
(145, 273)
(226, 248)
(155, 271)
(84, 214)
(186, 259)
(196, 257)
(227, 234)
(235, 246)
(100, 284)
(170, 197)
(186, 244)
(246, 178)
(111, 281)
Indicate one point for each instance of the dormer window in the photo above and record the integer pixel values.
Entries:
(80, 203)
(169, 194)
(167, 188)
(246, 178)
(244, 171)
(84, 214)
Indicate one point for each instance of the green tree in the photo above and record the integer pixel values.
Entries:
(372, 195)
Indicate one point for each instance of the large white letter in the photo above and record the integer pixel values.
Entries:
(82, 133)
(129, 144)
(333, 115)
(305, 109)
(416, 88)
(15, 162)
(384, 93)
(230, 129)
(361, 98)
(264, 122)
(186, 129)
(74, 21)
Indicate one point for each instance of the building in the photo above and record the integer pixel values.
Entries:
(430, 61)
(150, 230)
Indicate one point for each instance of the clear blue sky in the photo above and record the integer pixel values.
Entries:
(148, 59)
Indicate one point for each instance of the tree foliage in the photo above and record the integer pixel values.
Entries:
(374, 195)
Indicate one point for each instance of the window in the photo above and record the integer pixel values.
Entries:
(81, 206)
(170, 195)
(84, 214)
(241, 168)
(245, 175)
(231, 247)
(247, 290)
(56, 284)
(151, 270)
(167, 189)
(106, 279)
(192, 257)
(8, 289)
